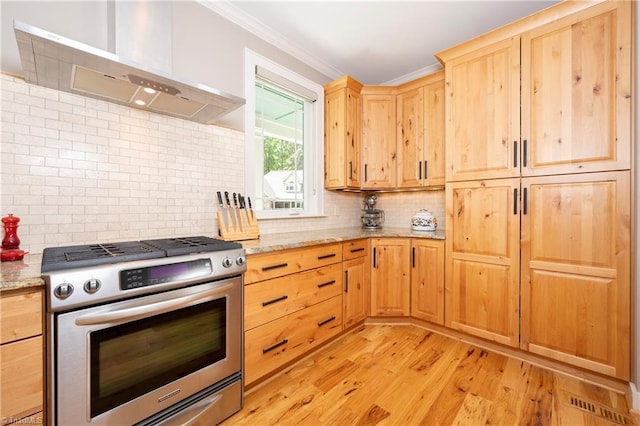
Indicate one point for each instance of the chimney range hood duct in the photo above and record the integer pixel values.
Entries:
(57, 62)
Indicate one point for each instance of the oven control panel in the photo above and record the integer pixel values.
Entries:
(167, 273)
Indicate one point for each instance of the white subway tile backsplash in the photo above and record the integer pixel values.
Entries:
(79, 170)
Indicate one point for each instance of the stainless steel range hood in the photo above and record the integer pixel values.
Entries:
(57, 62)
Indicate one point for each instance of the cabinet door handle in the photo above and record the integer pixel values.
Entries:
(346, 281)
(270, 267)
(276, 300)
(419, 170)
(515, 200)
(326, 256)
(365, 172)
(357, 250)
(524, 153)
(426, 169)
(350, 170)
(374, 257)
(524, 201)
(328, 320)
(413, 257)
(326, 284)
(276, 345)
(515, 153)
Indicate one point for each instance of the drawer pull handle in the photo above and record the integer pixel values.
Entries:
(279, 265)
(326, 256)
(328, 320)
(357, 250)
(326, 284)
(274, 346)
(276, 300)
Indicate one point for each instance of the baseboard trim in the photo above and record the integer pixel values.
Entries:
(634, 404)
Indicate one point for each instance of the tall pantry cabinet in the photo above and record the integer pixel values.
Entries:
(538, 185)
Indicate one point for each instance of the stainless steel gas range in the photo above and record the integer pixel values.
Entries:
(144, 332)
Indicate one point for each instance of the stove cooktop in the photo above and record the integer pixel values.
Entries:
(80, 256)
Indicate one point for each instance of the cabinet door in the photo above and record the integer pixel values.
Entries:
(390, 277)
(576, 92)
(434, 133)
(427, 280)
(483, 113)
(356, 291)
(335, 129)
(21, 380)
(379, 140)
(410, 138)
(482, 259)
(575, 270)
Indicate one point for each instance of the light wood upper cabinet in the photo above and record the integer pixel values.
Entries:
(483, 113)
(390, 277)
(427, 279)
(576, 92)
(379, 137)
(342, 147)
(483, 259)
(421, 132)
(576, 270)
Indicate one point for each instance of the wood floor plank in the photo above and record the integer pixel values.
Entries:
(404, 375)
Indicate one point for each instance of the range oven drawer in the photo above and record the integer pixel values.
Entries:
(276, 343)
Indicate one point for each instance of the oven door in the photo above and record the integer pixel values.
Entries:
(123, 362)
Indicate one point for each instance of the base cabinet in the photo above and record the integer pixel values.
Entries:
(427, 280)
(355, 298)
(390, 277)
(22, 355)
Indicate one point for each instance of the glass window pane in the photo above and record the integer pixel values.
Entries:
(280, 146)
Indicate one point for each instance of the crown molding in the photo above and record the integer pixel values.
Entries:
(236, 15)
(413, 75)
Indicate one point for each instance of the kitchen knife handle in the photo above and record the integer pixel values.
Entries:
(235, 200)
(226, 197)
(249, 201)
(220, 199)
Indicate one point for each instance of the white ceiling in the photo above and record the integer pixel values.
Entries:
(376, 42)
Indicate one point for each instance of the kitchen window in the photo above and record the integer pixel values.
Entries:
(284, 140)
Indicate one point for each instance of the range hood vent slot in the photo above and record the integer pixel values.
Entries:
(56, 62)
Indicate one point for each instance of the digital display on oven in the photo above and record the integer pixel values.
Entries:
(160, 274)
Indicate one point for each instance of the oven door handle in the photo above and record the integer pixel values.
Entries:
(129, 314)
(188, 416)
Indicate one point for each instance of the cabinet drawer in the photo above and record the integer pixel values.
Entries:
(277, 264)
(354, 249)
(21, 315)
(272, 299)
(22, 378)
(274, 344)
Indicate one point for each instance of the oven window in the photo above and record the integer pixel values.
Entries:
(132, 359)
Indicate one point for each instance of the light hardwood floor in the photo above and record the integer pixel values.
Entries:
(405, 375)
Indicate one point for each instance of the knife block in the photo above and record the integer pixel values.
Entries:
(237, 224)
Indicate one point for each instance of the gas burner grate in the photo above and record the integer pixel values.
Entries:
(60, 258)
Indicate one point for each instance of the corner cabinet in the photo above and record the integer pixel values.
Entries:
(379, 158)
(390, 277)
(342, 146)
(421, 132)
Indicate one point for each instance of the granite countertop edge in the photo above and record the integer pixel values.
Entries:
(26, 274)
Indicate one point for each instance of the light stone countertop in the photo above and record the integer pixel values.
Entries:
(25, 273)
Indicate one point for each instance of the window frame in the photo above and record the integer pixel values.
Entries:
(313, 187)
